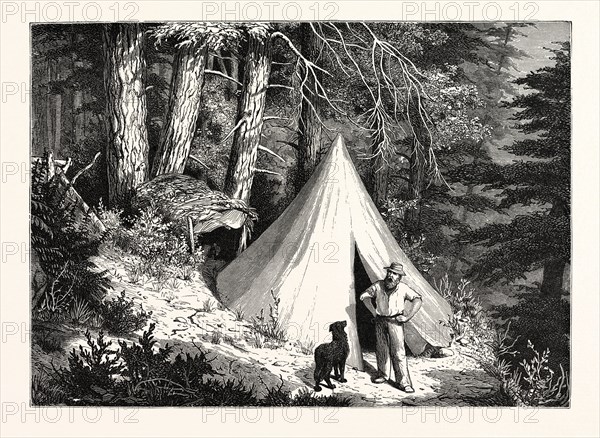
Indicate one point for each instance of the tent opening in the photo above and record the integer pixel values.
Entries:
(364, 324)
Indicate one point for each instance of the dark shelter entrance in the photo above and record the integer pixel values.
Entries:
(364, 319)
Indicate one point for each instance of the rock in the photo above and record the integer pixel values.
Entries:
(463, 341)
(445, 352)
(456, 378)
(180, 319)
(280, 363)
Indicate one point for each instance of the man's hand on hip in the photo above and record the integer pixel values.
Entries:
(402, 319)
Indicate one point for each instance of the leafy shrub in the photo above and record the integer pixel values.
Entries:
(135, 272)
(258, 339)
(270, 328)
(208, 306)
(530, 383)
(156, 240)
(187, 273)
(174, 283)
(47, 342)
(63, 241)
(545, 321)
(468, 318)
(90, 371)
(141, 374)
(46, 391)
(120, 318)
(80, 312)
(216, 337)
(111, 218)
(307, 347)
(239, 314)
(277, 396)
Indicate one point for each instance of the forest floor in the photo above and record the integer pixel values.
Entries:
(190, 317)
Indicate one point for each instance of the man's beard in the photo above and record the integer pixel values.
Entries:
(390, 283)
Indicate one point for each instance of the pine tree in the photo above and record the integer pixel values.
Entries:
(541, 181)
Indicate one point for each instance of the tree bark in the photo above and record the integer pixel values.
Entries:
(57, 124)
(378, 174)
(251, 106)
(552, 278)
(49, 130)
(412, 217)
(127, 136)
(78, 117)
(235, 73)
(185, 99)
(309, 126)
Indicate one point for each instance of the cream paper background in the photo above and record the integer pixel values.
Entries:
(18, 419)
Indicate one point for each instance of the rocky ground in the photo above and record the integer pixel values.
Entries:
(187, 314)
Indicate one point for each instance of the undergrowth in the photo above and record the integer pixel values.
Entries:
(526, 374)
(269, 328)
(145, 374)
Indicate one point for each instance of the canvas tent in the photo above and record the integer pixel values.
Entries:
(306, 257)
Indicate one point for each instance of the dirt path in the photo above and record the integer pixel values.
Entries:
(184, 317)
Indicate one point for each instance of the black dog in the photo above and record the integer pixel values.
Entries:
(332, 356)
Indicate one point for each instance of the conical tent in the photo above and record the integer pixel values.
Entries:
(306, 260)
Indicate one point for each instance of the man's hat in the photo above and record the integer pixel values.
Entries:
(396, 267)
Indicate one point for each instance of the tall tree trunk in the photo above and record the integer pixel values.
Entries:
(412, 217)
(379, 171)
(39, 97)
(49, 119)
(503, 55)
(251, 106)
(185, 98)
(554, 269)
(419, 160)
(57, 125)
(78, 117)
(309, 126)
(462, 218)
(127, 136)
(552, 279)
(235, 74)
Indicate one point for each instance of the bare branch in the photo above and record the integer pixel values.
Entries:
(281, 86)
(197, 160)
(67, 165)
(269, 172)
(85, 169)
(235, 128)
(269, 151)
(266, 118)
(223, 75)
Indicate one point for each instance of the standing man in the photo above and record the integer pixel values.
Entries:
(389, 295)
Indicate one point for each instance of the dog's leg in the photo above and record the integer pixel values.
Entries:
(342, 368)
(336, 374)
(328, 381)
(318, 377)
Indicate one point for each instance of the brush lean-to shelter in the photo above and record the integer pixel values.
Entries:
(309, 258)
